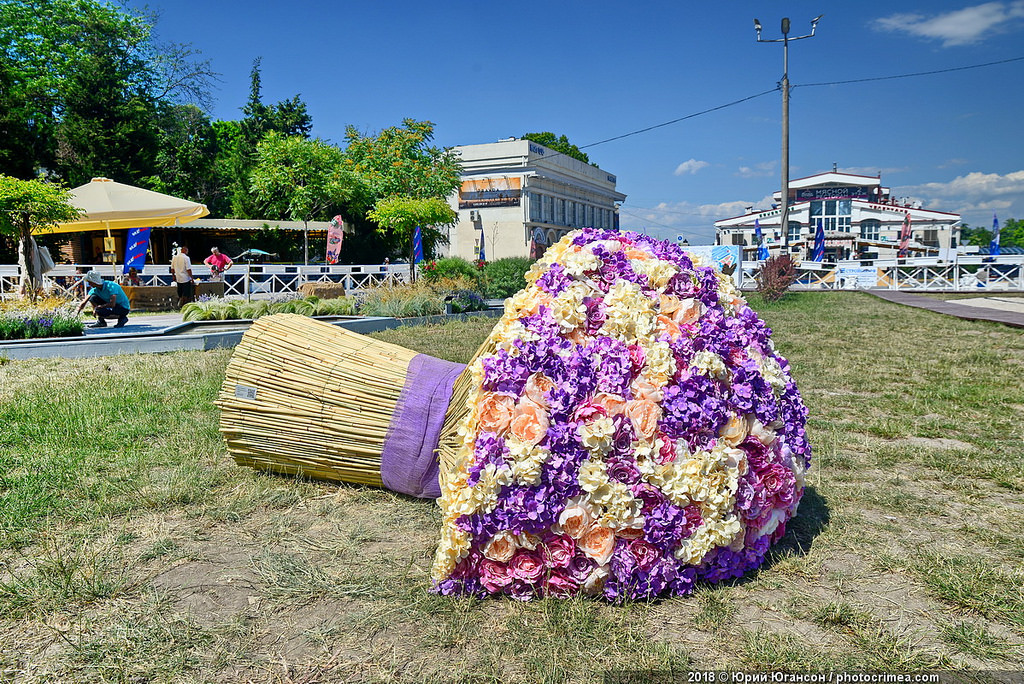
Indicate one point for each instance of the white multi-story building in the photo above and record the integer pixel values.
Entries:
(860, 219)
(518, 196)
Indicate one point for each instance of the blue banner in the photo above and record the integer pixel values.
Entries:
(993, 246)
(417, 246)
(819, 243)
(762, 249)
(135, 249)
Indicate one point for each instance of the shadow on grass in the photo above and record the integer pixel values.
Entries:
(811, 519)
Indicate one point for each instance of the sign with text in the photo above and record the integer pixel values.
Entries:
(843, 192)
(490, 192)
(728, 258)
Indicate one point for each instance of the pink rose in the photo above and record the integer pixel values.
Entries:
(589, 411)
(560, 585)
(558, 551)
(494, 576)
(527, 566)
(645, 554)
(777, 477)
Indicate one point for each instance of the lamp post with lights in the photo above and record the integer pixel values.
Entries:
(785, 111)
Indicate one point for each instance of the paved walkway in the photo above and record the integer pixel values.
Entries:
(1005, 310)
(137, 325)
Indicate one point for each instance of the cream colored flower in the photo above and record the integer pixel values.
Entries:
(501, 547)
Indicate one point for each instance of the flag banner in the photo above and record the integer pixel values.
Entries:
(905, 233)
(135, 249)
(335, 234)
(762, 249)
(993, 246)
(818, 252)
(483, 255)
(417, 246)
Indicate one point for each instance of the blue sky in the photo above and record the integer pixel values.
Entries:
(598, 69)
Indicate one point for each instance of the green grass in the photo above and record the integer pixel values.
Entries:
(133, 549)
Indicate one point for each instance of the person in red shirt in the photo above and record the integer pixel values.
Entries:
(218, 263)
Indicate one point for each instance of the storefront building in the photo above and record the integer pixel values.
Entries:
(518, 197)
(860, 220)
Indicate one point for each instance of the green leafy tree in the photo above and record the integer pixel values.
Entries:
(399, 217)
(288, 118)
(31, 205)
(1011, 234)
(401, 162)
(186, 158)
(87, 78)
(397, 162)
(299, 179)
(558, 144)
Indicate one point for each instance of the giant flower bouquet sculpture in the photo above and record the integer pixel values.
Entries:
(626, 430)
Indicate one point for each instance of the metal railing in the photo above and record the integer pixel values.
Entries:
(240, 280)
(966, 274)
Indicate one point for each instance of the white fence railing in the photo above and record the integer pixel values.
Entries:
(241, 280)
(971, 274)
(968, 274)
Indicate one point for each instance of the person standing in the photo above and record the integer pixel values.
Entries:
(108, 300)
(218, 263)
(181, 269)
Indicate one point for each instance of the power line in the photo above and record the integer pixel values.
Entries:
(918, 73)
(803, 85)
(682, 118)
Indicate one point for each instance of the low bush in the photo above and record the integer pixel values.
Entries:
(402, 301)
(452, 268)
(46, 318)
(504, 277)
(236, 309)
(775, 276)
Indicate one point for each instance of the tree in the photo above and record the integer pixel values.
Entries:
(87, 77)
(27, 206)
(299, 179)
(400, 162)
(399, 216)
(558, 144)
(397, 162)
(1011, 234)
(288, 118)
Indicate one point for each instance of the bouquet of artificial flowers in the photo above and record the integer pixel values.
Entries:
(629, 429)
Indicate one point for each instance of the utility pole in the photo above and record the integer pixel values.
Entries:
(785, 113)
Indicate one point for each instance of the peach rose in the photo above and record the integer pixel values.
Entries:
(597, 544)
(575, 521)
(734, 431)
(537, 385)
(501, 548)
(496, 412)
(668, 304)
(645, 415)
(642, 389)
(688, 312)
(612, 403)
(530, 422)
(634, 253)
(667, 325)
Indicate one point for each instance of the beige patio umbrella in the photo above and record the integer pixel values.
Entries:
(109, 205)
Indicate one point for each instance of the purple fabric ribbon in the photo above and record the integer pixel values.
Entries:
(408, 463)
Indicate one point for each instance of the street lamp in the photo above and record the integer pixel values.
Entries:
(785, 111)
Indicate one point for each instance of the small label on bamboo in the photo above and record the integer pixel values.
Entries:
(243, 392)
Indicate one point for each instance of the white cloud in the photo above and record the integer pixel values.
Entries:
(757, 170)
(690, 166)
(974, 196)
(959, 27)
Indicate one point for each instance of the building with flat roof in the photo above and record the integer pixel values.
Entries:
(860, 219)
(518, 196)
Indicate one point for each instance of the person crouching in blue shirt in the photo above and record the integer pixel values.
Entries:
(108, 300)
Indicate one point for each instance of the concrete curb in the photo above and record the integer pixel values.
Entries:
(178, 338)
